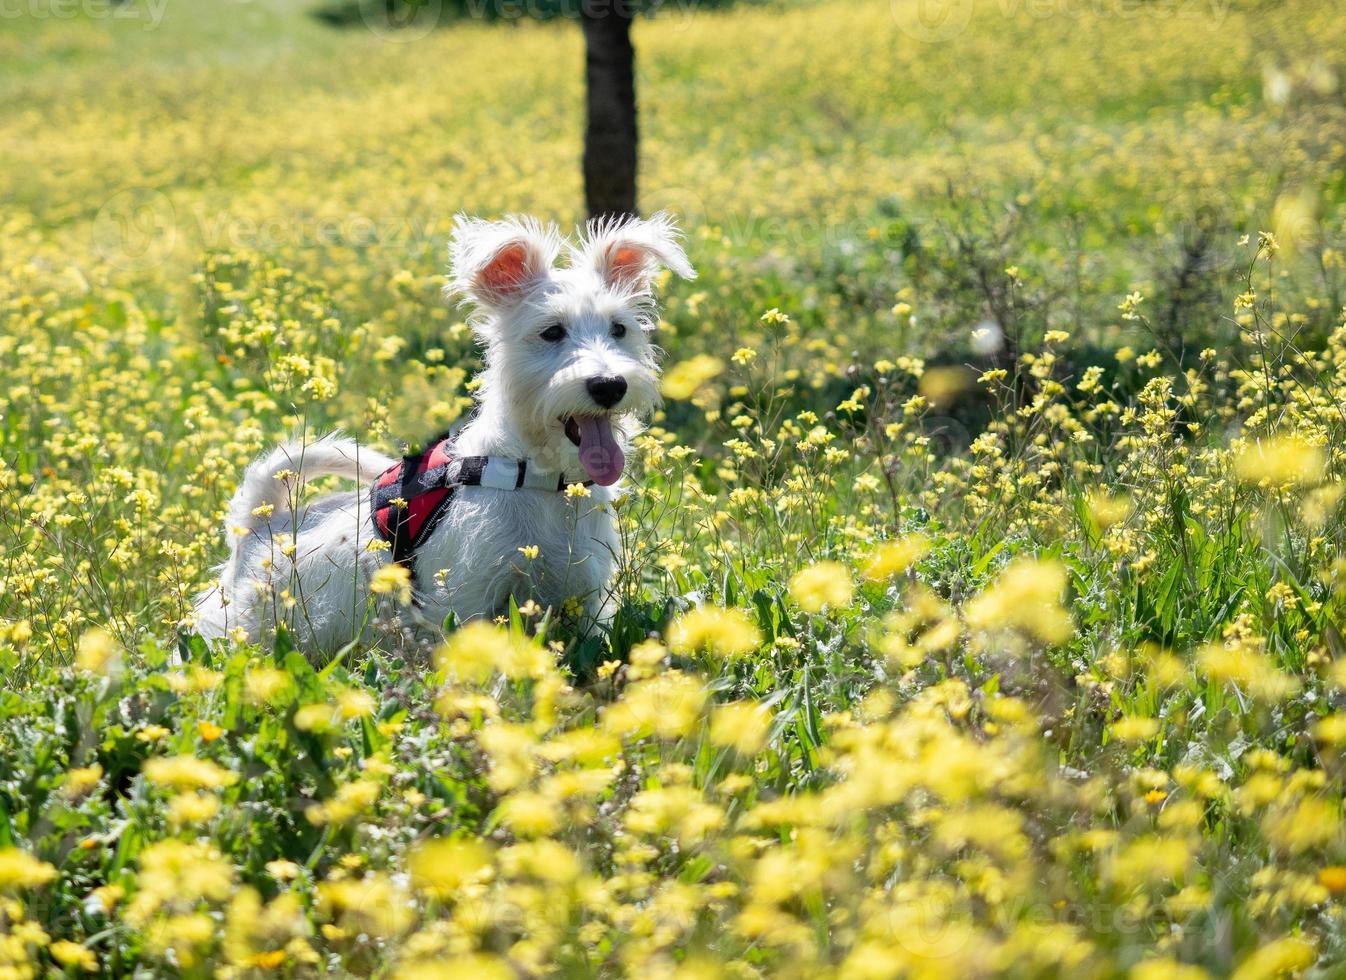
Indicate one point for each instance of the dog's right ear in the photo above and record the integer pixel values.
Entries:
(496, 263)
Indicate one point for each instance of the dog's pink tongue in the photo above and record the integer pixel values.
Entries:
(600, 455)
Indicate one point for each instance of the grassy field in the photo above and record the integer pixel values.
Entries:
(983, 604)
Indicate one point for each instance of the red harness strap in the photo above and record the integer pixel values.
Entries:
(410, 498)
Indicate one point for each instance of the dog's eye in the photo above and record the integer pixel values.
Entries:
(554, 333)
(618, 330)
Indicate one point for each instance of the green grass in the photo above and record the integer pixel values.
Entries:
(1096, 726)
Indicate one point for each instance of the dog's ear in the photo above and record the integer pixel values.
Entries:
(496, 263)
(628, 252)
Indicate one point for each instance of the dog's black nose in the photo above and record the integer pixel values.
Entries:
(606, 391)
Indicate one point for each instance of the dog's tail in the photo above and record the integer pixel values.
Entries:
(268, 484)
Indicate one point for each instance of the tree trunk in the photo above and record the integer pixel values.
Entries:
(610, 133)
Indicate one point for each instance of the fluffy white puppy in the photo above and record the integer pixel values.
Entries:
(569, 373)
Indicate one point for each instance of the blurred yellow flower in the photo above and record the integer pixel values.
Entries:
(825, 584)
(1107, 509)
(894, 557)
(19, 869)
(374, 905)
(741, 726)
(685, 378)
(80, 781)
(98, 653)
(74, 955)
(441, 866)
(190, 809)
(392, 579)
(667, 706)
(187, 772)
(1243, 665)
(473, 652)
(267, 685)
(1276, 959)
(1025, 596)
(1134, 728)
(1278, 461)
(724, 632)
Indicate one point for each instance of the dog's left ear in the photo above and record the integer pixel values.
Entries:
(627, 253)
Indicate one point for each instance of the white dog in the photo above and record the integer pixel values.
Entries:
(569, 371)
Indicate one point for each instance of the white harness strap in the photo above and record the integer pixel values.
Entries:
(504, 473)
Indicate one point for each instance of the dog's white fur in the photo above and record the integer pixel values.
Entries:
(471, 564)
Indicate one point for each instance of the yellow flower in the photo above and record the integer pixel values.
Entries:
(187, 772)
(174, 871)
(267, 685)
(684, 379)
(283, 870)
(1333, 878)
(316, 717)
(471, 654)
(441, 866)
(740, 726)
(724, 632)
(1166, 969)
(1026, 596)
(1151, 859)
(19, 869)
(1280, 461)
(208, 731)
(669, 706)
(895, 557)
(1106, 509)
(351, 800)
(1134, 728)
(192, 809)
(941, 386)
(822, 585)
(1276, 959)
(97, 652)
(74, 955)
(392, 579)
(1310, 823)
(1130, 305)
(81, 781)
(353, 703)
(374, 905)
(478, 966)
(577, 490)
(1243, 665)
(529, 814)
(1331, 729)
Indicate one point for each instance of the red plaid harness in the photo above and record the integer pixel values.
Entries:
(410, 498)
